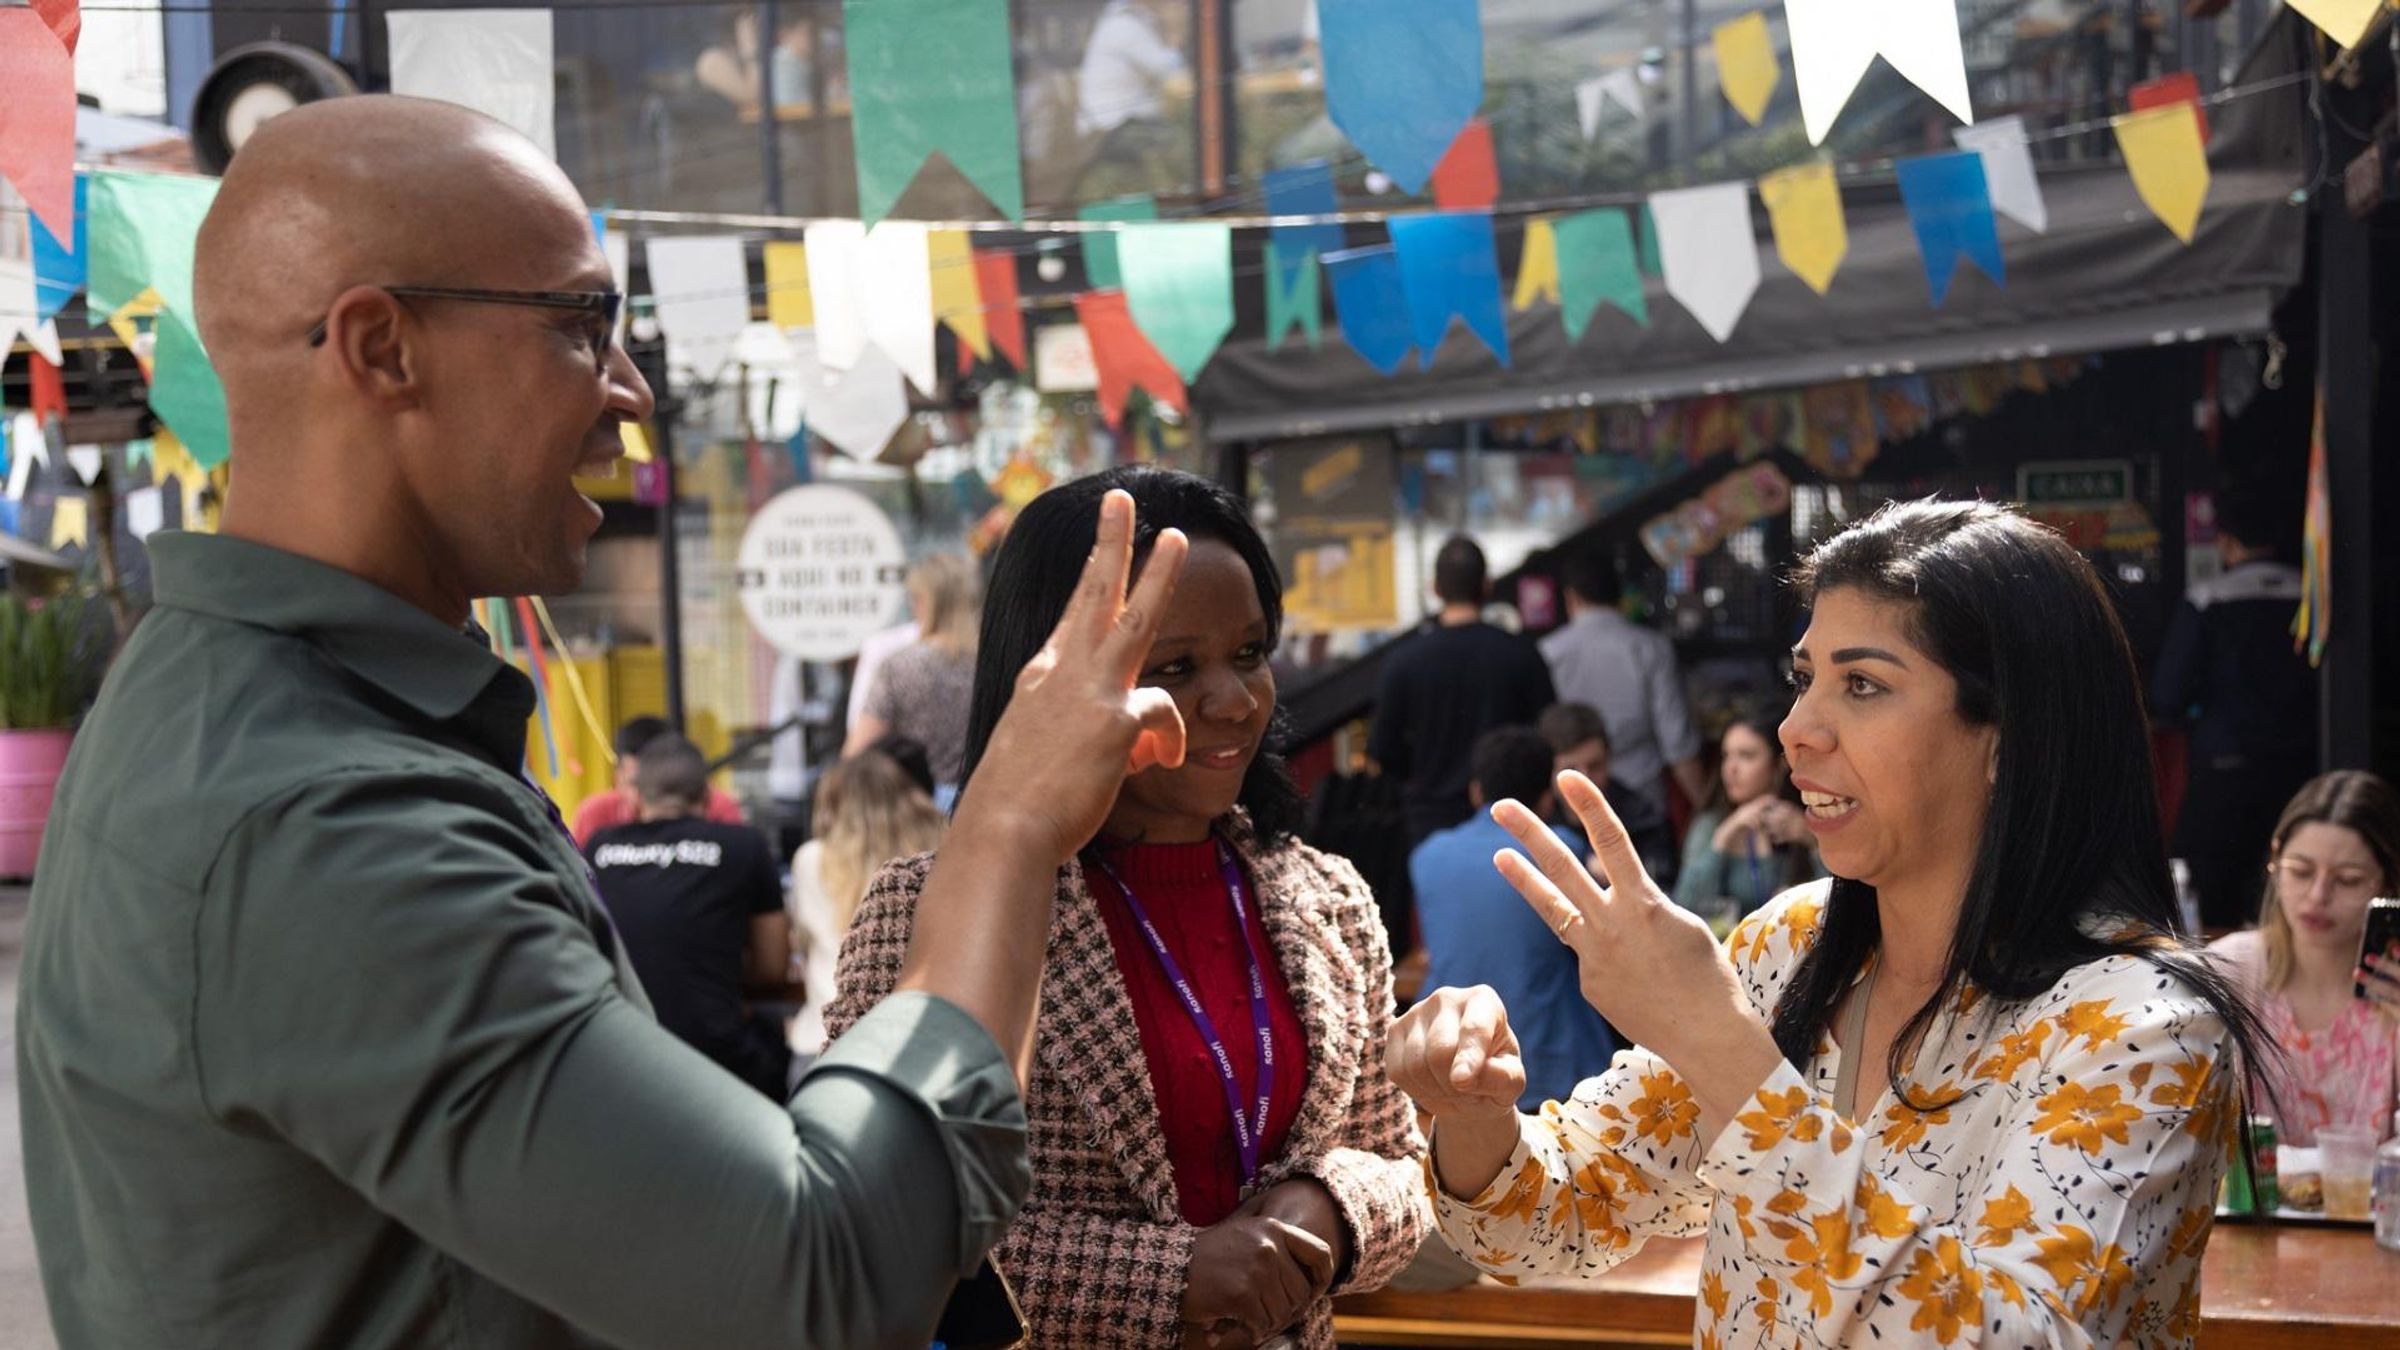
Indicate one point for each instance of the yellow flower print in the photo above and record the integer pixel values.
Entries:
(1714, 1293)
(2191, 1078)
(2009, 1288)
(1802, 920)
(1909, 1125)
(1523, 1196)
(1948, 1291)
(1665, 1111)
(1824, 1255)
(1767, 1309)
(2093, 1021)
(1599, 1189)
(2002, 1064)
(2190, 1236)
(2092, 1277)
(2003, 1217)
(1885, 1217)
(1775, 1116)
(2082, 1116)
(1750, 933)
(1741, 1216)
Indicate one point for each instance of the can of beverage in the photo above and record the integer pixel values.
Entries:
(2252, 1190)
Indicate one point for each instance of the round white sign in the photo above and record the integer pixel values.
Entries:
(820, 570)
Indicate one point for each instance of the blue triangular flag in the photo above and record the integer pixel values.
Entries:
(1371, 304)
(58, 271)
(1402, 78)
(1950, 204)
(1450, 269)
(798, 447)
(1302, 190)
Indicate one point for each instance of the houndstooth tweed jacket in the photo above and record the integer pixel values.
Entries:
(1099, 1252)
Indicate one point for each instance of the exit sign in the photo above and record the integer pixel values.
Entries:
(2075, 482)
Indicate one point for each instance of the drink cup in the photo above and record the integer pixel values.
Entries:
(2348, 1161)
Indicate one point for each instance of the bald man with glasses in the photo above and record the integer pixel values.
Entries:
(324, 1037)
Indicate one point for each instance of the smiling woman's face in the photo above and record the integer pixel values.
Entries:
(1211, 655)
(1896, 782)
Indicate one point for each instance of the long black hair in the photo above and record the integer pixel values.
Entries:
(1035, 574)
(2021, 621)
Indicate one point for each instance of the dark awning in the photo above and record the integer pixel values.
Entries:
(2106, 275)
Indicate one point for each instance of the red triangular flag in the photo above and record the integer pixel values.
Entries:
(1467, 179)
(996, 276)
(49, 389)
(2181, 87)
(65, 18)
(37, 117)
(1124, 358)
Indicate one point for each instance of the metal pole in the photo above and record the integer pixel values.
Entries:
(770, 125)
(650, 357)
(1690, 136)
(2346, 383)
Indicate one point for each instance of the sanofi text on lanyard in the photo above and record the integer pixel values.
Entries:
(1249, 1134)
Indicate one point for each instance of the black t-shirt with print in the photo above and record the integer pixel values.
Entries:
(682, 894)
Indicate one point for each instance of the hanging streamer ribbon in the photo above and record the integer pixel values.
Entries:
(583, 703)
(541, 683)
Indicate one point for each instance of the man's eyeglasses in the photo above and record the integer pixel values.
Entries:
(602, 305)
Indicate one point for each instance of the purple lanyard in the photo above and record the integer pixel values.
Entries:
(1249, 1137)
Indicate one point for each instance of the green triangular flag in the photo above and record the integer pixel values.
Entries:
(928, 76)
(184, 391)
(1100, 246)
(1650, 264)
(1294, 295)
(1597, 260)
(1179, 288)
(143, 227)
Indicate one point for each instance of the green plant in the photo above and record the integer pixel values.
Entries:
(47, 661)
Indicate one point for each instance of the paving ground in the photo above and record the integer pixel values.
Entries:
(24, 1323)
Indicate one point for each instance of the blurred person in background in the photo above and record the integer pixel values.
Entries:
(700, 909)
(1477, 929)
(1628, 672)
(2228, 671)
(622, 804)
(1751, 842)
(873, 808)
(1443, 688)
(1578, 738)
(1215, 1151)
(1133, 68)
(921, 691)
(2336, 847)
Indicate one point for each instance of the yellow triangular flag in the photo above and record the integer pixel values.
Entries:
(1805, 205)
(122, 323)
(2168, 161)
(1537, 266)
(957, 294)
(71, 523)
(2345, 21)
(167, 456)
(1746, 65)
(788, 302)
(637, 442)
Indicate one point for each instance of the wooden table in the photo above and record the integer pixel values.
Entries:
(2262, 1287)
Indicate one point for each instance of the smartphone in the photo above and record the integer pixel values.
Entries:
(982, 1314)
(2383, 935)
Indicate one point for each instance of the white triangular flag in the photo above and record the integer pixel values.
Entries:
(85, 461)
(836, 250)
(18, 292)
(1834, 41)
(617, 247)
(898, 271)
(26, 446)
(497, 61)
(1621, 87)
(45, 340)
(1708, 251)
(145, 511)
(772, 381)
(2008, 169)
(857, 409)
(702, 288)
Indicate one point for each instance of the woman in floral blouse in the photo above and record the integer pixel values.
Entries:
(1969, 1092)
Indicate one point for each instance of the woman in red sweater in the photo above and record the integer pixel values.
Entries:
(1215, 1149)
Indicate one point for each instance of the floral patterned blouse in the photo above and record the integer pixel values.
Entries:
(2061, 1195)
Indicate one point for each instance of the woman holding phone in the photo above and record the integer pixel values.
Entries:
(1970, 1090)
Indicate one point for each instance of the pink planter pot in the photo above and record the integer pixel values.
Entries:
(30, 762)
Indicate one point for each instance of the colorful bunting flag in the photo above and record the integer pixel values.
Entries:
(701, 286)
(1371, 304)
(1449, 268)
(1537, 264)
(65, 18)
(857, 408)
(142, 230)
(1597, 264)
(1295, 295)
(1401, 78)
(2168, 162)
(1179, 288)
(145, 512)
(1708, 252)
(19, 292)
(1646, 243)
(836, 255)
(497, 61)
(1468, 179)
(1834, 41)
(957, 298)
(996, 278)
(2345, 21)
(185, 393)
(2008, 169)
(37, 116)
(1124, 359)
(1303, 190)
(71, 522)
(60, 265)
(1100, 246)
(1805, 204)
(1950, 207)
(1622, 88)
(788, 302)
(1746, 66)
(2181, 87)
(930, 76)
(896, 271)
